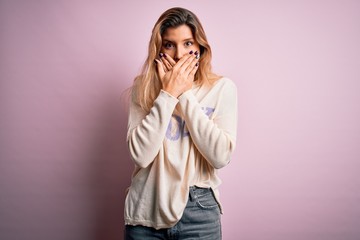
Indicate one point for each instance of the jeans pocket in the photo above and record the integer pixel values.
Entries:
(207, 201)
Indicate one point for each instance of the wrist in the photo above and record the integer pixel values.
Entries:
(171, 92)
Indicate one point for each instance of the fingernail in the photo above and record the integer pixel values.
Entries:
(196, 52)
(198, 56)
(191, 52)
(197, 64)
(155, 61)
(161, 55)
(164, 55)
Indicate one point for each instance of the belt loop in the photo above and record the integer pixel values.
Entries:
(192, 194)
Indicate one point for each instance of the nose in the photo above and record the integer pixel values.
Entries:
(180, 52)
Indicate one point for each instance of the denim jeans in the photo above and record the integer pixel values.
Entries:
(200, 220)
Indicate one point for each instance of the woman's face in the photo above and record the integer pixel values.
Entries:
(178, 41)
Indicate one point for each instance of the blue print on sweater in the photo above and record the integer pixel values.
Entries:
(177, 128)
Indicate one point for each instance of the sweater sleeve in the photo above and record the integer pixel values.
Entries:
(146, 132)
(214, 137)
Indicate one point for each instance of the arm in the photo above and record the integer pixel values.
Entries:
(215, 138)
(146, 132)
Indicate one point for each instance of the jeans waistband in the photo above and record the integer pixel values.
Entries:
(195, 191)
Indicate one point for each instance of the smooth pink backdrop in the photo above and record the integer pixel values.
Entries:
(65, 64)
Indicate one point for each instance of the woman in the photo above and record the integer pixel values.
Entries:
(182, 128)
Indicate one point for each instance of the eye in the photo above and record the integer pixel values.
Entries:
(168, 45)
(188, 43)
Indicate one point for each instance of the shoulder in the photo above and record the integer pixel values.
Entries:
(225, 83)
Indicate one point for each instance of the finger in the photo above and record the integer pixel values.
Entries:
(182, 60)
(166, 63)
(192, 64)
(160, 68)
(169, 59)
(193, 71)
(188, 61)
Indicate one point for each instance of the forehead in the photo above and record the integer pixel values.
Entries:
(178, 33)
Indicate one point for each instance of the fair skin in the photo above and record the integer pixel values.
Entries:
(179, 60)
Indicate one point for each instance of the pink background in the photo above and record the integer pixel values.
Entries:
(65, 64)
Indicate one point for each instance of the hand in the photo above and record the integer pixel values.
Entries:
(180, 77)
(167, 61)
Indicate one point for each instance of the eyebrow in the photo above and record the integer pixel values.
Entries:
(185, 40)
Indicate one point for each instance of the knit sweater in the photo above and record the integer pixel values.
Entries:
(180, 143)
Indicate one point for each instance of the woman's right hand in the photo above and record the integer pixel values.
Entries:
(181, 76)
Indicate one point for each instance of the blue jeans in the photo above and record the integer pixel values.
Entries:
(200, 220)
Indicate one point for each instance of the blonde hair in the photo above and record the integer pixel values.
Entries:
(147, 85)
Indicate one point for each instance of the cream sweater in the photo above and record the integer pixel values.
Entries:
(179, 143)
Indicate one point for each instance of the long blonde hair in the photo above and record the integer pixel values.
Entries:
(147, 85)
